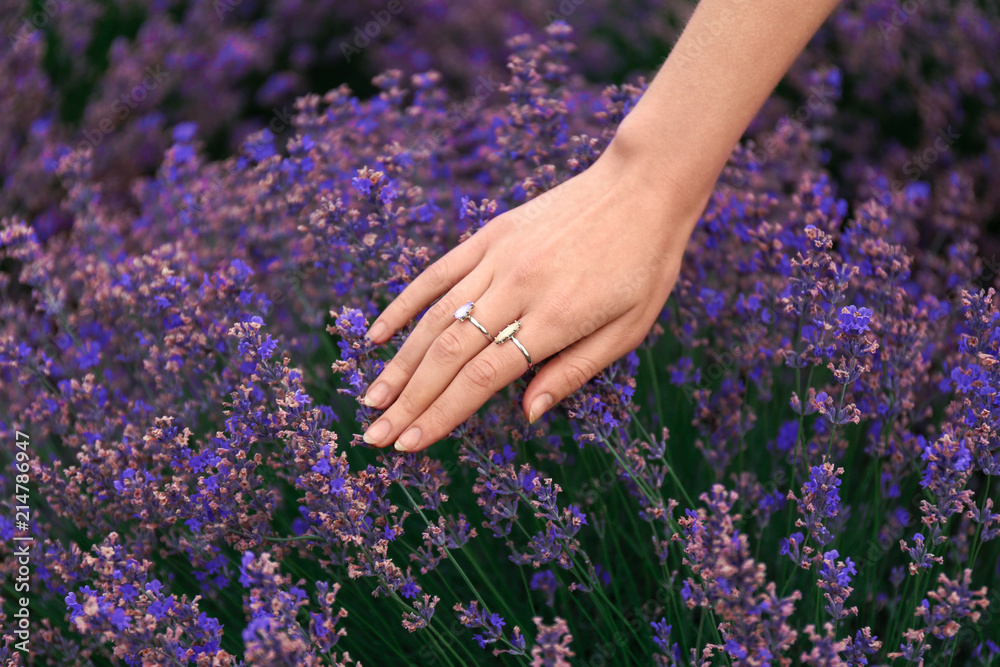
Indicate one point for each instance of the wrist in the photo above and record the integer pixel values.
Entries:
(651, 145)
(659, 174)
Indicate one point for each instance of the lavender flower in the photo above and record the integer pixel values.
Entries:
(820, 501)
(170, 321)
(853, 321)
(835, 580)
(552, 642)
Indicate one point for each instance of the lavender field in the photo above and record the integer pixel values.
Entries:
(206, 203)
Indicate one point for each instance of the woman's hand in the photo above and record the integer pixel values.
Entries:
(589, 276)
(585, 267)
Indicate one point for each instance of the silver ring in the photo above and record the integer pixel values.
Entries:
(508, 335)
(465, 313)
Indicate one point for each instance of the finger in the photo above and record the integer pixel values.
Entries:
(397, 373)
(447, 355)
(432, 282)
(485, 374)
(574, 366)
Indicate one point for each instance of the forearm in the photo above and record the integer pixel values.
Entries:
(727, 61)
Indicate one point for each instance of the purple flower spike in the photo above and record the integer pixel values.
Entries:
(854, 321)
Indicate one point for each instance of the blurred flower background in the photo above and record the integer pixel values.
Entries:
(205, 203)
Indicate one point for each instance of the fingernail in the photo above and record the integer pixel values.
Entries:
(376, 432)
(409, 439)
(376, 395)
(541, 403)
(376, 332)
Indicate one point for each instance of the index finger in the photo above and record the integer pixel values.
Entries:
(432, 282)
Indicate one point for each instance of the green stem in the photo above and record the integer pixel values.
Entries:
(651, 497)
(670, 467)
(977, 544)
(458, 567)
(409, 608)
(833, 431)
(656, 382)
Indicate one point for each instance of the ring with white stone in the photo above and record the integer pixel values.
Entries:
(465, 313)
(508, 335)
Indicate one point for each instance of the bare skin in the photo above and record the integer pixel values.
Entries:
(588, 279)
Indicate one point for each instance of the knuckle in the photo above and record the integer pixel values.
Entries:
(576, 372)
(441, 311)
(523, 273)
(438, 271)
(405, 404)
(482, 373)
(399, 366)
(447, 349)
(400, 306)
(562, 311)
(435, 420)
(583, 327)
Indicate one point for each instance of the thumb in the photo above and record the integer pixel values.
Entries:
(571, 369)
